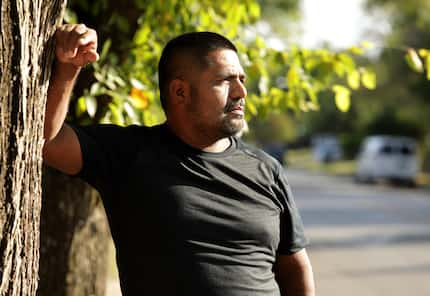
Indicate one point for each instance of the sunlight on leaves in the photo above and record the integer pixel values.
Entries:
(354, 79)
(414, 61)
(342, 97)
(368, 78)
(139, 98)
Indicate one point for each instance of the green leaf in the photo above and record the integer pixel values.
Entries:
(339, 69)
(347, 61)
(205, 20)
(311, 92)
(105, 50)
(117, 117)
(356, 50)
(118, 80)
(423, 52)
(293, 77)
(95, 89)
(368, 78)
(311, 64)
(254, 10)
(276, 95)
(259, 42)
(91, 104)
(142, 35)
(354, 79)
(136, 83)
(250, 107)
(414, 61)
(99, 76)
(367, 44)
(263, 84)
(110, 84)
(107, 118)
(342, 97)
(131, 113)
(70, 16)
(81, 106)
(313, 106)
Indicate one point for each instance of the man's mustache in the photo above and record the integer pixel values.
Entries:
(233, 104)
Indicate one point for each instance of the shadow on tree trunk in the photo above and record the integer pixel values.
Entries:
(74, 238)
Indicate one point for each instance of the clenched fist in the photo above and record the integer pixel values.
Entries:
(76, 45)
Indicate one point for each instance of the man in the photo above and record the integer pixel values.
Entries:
(192, 209)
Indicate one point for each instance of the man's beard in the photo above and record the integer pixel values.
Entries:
(229, 125)
(232, 126)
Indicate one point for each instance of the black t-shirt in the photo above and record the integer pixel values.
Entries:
(187, 222)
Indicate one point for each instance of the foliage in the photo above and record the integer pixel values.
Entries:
(399, 105)
(277, 128)
(401, 91)
(388, 123)
(124, 89)
(409, 21)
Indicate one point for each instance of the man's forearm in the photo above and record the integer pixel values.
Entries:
(300, 283)
(59, 91)
(294, 275)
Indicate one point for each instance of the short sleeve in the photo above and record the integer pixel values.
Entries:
(107, 150)
(292, 235)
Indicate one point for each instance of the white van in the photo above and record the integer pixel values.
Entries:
(388, 157)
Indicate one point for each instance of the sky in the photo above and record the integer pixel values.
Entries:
(342, 23)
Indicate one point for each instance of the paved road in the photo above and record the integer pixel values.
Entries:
(367, 240)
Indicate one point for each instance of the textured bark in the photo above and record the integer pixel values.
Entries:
(74, 238)
(25, 58)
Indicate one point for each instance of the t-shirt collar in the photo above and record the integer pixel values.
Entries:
(176, 144)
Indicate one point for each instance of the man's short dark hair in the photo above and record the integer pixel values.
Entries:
(196, 46)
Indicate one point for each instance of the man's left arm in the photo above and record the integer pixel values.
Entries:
(294, 274)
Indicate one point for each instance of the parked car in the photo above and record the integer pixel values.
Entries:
(326, 148)
(276, 150)
(387, 157)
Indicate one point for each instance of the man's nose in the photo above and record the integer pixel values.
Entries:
(239, 91)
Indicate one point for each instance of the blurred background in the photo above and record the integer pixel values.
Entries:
(338, 93)
(330, 140)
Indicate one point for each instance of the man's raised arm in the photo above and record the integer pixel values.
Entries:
(76, 46)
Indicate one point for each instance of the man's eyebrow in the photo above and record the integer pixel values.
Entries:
(231, 75)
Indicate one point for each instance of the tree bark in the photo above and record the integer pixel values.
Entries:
(25, 58)
(74, 238)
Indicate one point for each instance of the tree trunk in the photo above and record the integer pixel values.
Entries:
(25, 58)
(74, 238)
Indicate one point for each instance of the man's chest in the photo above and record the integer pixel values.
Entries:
(198, 201)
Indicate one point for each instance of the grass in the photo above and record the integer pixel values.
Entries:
(423, 180)
(303, 159)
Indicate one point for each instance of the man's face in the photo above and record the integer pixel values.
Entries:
(217, 104)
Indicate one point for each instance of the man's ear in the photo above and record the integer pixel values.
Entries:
(179, 91)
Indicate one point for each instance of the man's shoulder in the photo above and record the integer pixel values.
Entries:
(115, 132)
(258, 154)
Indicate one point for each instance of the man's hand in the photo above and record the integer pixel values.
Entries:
(76, 45)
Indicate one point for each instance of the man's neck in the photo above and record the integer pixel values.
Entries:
(199, 142)
(217, 147)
